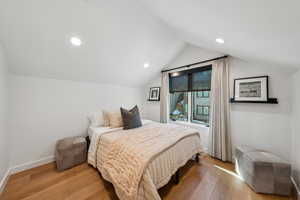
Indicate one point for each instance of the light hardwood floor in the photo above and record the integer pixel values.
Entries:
(208, 180)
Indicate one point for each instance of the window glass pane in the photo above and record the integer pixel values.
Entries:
(206, 93)
(201, 107)
(179, 106)
(179, 83)
(201, 80)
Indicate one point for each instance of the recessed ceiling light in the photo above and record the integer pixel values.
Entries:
(220, 40)
(175, 74)
(146, 65)
(76, 41)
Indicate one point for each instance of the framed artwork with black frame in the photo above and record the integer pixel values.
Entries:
(251, 89)
(154, 94)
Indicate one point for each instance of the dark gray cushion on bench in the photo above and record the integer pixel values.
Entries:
(70, 152)
(263, 171)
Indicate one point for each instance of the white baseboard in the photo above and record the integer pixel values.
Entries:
(32, 164)
(4, 180)
(23, 167)
(297, 188)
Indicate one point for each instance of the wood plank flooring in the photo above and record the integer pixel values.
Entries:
(208, 180)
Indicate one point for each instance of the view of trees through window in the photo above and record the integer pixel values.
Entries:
(197, 103)
(179, 106)
(190, 95)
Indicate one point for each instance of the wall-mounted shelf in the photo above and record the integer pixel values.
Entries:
(152, 100)
(270, 101)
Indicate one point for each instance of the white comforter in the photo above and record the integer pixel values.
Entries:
(95, 133)
(159, 170)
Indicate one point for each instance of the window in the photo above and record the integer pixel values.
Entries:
(179, 106)
(190, 95)
(200, 107)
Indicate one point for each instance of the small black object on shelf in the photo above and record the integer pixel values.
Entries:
(269, 101)
(151, 100)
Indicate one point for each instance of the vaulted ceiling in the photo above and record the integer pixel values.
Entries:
(119, 36)
(263, 31)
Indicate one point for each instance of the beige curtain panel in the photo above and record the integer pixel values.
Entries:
(164, 100)
(219, 133)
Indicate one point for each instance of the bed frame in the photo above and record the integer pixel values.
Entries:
(176, 176)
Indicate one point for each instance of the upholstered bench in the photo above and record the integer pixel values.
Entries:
(70, 152)
(263, 171)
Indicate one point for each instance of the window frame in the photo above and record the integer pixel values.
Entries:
(198, 108)
(189, 92)
(189, 73)
(191, 110)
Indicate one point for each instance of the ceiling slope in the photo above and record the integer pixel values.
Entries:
(264, 31)
(118, 38)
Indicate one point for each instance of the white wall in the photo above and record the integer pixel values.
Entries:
(192, 54)
(262, 126)
(43, 111)
(118, 36)
(296, 129)
(152, 108)
(4, 152)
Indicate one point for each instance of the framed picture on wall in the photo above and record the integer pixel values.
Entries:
(154, 94)
(251, 89)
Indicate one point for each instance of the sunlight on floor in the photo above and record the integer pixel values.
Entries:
(229, 172)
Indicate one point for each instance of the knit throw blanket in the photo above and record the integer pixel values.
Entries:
(128, 156)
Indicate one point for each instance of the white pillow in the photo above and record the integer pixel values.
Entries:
(96, 119)
(115, 119)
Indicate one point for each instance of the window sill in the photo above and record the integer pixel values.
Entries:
(189, 124)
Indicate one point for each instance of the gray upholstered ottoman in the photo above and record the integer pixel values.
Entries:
(70, 152)
(263, 171)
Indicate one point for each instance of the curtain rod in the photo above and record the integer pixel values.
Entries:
(197, 63)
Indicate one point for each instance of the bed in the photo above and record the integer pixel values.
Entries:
(140, 161)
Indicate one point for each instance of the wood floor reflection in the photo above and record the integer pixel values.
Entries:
(208, 180)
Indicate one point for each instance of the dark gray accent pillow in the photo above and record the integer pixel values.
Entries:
(131, 118)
